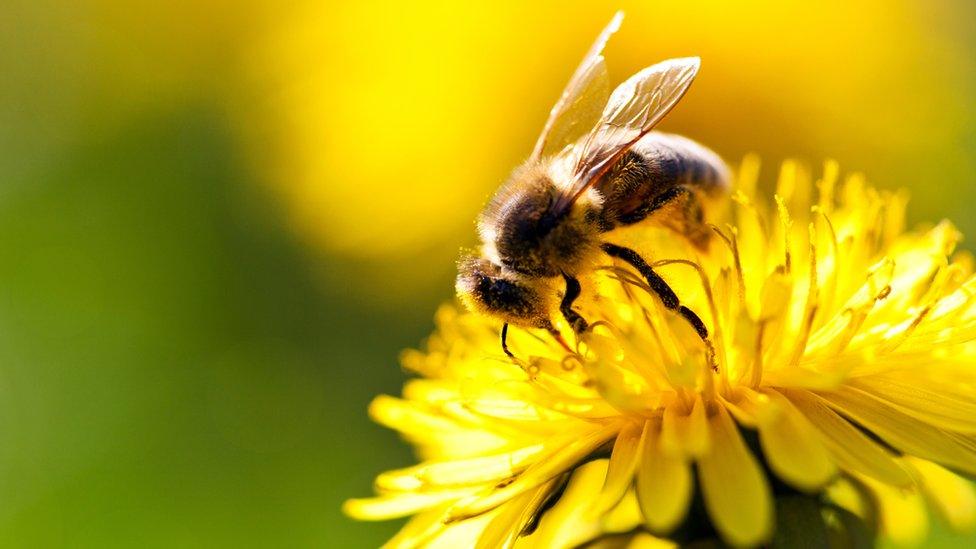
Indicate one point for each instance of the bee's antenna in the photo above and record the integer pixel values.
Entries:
(505, 342)
(549, 328)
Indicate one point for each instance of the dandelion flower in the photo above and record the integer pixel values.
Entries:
(846, 377)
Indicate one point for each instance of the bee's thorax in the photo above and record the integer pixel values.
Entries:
(530, 238)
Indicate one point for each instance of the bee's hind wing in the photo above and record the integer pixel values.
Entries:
(581, 102)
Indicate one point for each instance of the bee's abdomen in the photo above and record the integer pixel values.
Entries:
(654, 165)
(678, 160)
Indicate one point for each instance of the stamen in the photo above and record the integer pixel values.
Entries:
(733, 244)
(787, 224)
(906, 332)
(810, 310)
(744, 201)
(786, 182)
(831, 287)
(569, 362)
(929, 289)
(826, 185)
(958, 302)
(812, 236)
(624, 276)
(668, 353)
(719, 232)
(713, 309)
(748, 174)
(830, 227)
(757, 363)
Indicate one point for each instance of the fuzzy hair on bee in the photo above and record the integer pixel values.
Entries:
(522, 234)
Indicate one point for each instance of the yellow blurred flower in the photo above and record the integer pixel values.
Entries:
(845, 349)
(383, 126)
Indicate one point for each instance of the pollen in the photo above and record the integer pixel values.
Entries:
(841, 369)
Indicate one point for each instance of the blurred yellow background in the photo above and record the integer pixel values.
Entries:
(220, 221)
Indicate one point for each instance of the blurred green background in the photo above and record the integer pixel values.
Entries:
(220, 221)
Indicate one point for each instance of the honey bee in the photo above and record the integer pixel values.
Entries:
(596, 167)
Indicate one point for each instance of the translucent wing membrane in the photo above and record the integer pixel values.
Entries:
(633, 109)
(579, 106)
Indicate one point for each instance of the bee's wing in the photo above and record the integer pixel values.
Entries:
(578, 108)
(634, 108)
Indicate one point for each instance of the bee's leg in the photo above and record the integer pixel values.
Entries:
(666, 198)
(663, 291)
(548, 327)
(505, 341)
(577, 322)
(679, 209)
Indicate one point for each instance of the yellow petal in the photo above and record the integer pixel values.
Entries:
(621, 387)
(647, 541)
(956, 302)
(437, 435)
(849, 447)
(479, 470)
(835, 334)
(664, 484)
(626, 516)
(453, 535)
(566, 524)
(851, 496)
(407, 417)
(951, 495)
(901, 513)
(736, 492)
(398, 505)
(512, 409)
(776, 293)
(793, 447)
(685, 433)
(418, 529)
(944, 405)
(748, 406)
(507, 525)
(902, 431)
(565, 459)
(620, 473)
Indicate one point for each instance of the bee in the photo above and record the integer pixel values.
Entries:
(596, 167)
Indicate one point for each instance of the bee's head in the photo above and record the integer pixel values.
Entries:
(488, 288)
